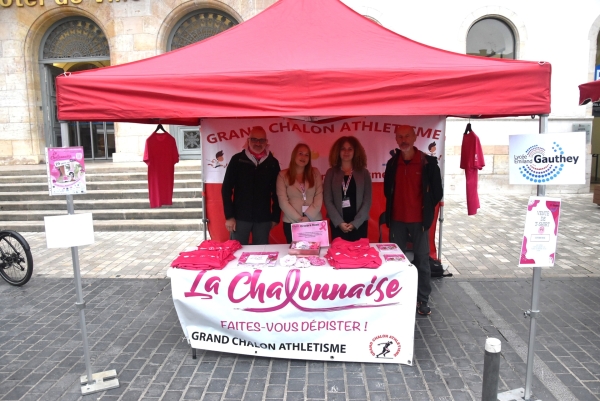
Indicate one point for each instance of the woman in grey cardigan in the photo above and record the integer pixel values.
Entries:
(299, 190)
(347, 189)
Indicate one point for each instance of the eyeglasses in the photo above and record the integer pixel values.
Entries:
(262, 141)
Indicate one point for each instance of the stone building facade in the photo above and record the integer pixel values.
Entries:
(42, 38)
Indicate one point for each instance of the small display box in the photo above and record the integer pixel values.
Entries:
(305, 248)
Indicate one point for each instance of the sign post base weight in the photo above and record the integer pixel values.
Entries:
(101, 381)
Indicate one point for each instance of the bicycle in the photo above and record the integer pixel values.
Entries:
(16, 262)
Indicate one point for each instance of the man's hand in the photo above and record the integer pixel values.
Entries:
(230, 224)
(303, 219)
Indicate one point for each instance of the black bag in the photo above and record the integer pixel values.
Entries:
(437, 269)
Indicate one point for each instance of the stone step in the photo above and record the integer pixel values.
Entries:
(96, 186)
(106, 214)
(116, 225)
(101, 194)
(97, 167)
(60, 203)
(99, 177)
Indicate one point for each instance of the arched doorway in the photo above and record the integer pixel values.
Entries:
(194, 27)
(74, 44)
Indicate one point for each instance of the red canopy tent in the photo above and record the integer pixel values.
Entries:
(302, 58)
(589, 92)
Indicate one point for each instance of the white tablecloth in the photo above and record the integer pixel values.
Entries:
(318, 313)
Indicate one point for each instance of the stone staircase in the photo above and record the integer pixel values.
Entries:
(117, 196)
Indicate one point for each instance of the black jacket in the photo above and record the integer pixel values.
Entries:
(249, 192)
(433, 191)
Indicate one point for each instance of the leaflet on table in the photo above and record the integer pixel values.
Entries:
(258, 259)
(312, 231)
(541, 232)
(388, 247)
(66, 170)
(395, 257)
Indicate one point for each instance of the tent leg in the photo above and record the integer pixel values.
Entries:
(441, 220)
(204, 219)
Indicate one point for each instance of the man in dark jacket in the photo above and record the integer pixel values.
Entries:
(249, 191)
(412, 187)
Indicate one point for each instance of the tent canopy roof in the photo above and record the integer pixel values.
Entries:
(304, 58)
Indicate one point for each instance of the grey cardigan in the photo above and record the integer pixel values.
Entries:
(332, 195)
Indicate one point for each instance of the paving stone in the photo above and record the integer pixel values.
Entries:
(133, 327)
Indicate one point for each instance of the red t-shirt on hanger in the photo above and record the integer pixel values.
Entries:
(161, 155)
(471, 160)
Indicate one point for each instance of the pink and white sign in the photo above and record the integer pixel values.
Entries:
(222, 138)
(316, 313)
(66, 170)
(312, 231)
(541, 232)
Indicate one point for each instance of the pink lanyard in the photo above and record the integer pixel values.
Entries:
(345, 184)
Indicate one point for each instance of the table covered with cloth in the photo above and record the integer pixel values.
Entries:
(312, 313)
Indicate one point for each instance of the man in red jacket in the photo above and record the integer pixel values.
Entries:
(412, 187)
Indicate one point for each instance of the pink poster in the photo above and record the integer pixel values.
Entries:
(312, 231)
(66, 170)
(541, 232)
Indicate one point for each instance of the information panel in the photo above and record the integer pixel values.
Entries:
(66, 170)
(541, 231)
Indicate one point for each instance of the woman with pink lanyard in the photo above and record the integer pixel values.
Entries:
(347, 189)
(299, 190)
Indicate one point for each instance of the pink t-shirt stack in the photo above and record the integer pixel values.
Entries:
(352, 254)
(209, 255)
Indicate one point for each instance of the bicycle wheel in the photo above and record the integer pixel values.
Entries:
(16, 262)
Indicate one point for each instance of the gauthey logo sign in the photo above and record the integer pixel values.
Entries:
(547, 159)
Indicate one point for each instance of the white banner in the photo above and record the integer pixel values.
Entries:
(318, 313)
(547, 159)
(222, 138)
(541, 231)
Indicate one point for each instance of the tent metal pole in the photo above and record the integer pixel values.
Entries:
(535, 293)
(441, 220)
(541, 189)
(204, 219)
(441, 216)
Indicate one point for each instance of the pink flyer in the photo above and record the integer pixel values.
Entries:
(66, 170)
(312, 231)
(541, 232)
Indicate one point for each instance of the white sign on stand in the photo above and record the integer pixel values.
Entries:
(549, 159)
(69, 230)
(541, 230)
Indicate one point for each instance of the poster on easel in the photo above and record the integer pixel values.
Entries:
(541, 231)
(66, 171)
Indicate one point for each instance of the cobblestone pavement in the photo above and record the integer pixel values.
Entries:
(133, 326)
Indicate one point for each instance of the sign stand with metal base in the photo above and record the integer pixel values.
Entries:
(90, 383)
(519, 394)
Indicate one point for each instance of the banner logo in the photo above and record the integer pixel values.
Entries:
(218, 160)
(384, 347)
(540, 168)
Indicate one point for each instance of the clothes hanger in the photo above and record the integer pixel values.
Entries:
(468, 129)
(160, 127)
